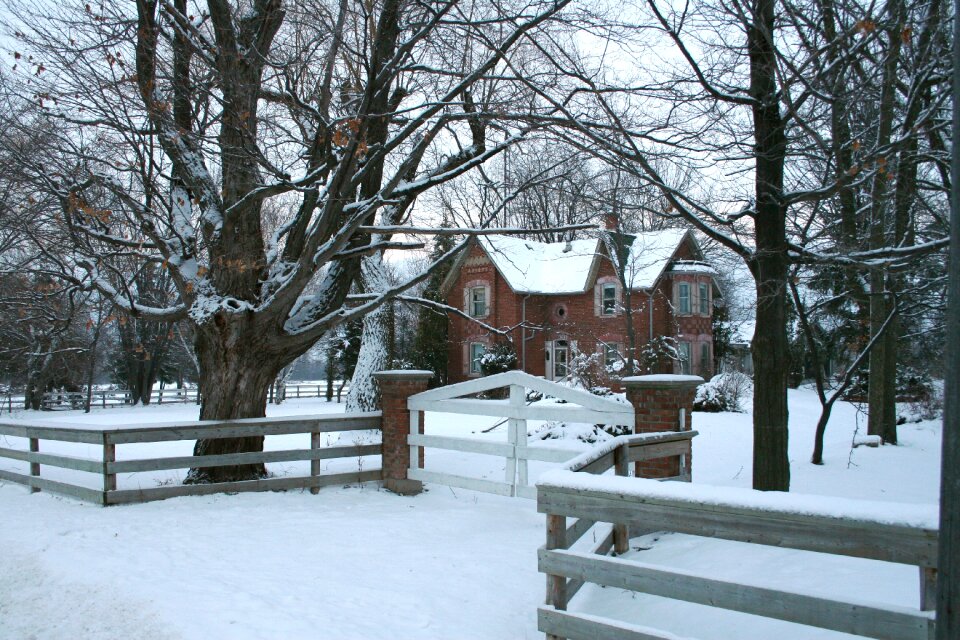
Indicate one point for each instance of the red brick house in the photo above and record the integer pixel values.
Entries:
(565, 298)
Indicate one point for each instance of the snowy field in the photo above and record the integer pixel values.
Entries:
(360, 562)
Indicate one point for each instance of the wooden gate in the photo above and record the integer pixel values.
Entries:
(580, 406)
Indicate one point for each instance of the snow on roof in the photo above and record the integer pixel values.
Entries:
(541, 267)
(650, 253)
(692, 266)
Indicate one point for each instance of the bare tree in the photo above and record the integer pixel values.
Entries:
(745, 92)
(182, 121)
(948, 552)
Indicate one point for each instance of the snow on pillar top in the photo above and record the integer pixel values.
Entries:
(403, 374)
(662, 380)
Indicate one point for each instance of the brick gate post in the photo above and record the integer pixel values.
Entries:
(662, 403)
(395, 387)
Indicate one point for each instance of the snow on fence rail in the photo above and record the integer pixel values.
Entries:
(107, 467)
(825, 525)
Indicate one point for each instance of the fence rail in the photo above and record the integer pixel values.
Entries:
(65, 400)
(784, 521)
(107, 467)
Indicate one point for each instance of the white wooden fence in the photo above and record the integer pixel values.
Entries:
(580, 406)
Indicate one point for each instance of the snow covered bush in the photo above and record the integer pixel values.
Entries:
(723, 392)
(587, 372)
(709, 398)
(657, 355)
(589, 433)
(927, 407)
(499, 358)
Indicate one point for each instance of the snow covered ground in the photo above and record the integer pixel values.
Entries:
(359, 562)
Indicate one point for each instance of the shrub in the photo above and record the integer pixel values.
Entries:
(723, 392)
(587, 371)
(589, 433)
(499, 358)
(913, 385)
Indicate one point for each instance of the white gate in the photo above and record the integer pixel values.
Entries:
(580, 406)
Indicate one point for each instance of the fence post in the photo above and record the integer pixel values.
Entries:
(517, 435)
(928, 589)
(621, 533)
(662, 403)
(34, 466)
(109, 455)
(556, 585)
(314, 462)
(395, 387)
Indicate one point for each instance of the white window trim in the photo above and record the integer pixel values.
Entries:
(703, 301)
(474, 301)
(604, 287)
(468, 298)
(605, 347)
(472, 360)
(678, 298)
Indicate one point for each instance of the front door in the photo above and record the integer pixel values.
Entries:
(561, 359)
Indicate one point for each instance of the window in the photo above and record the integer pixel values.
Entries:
(704, 300)
(611, 354)
(683, 298)
(561, 356)
(608, 300)
(683, 351)
(478, 302)
(477, 350)
(705, 364)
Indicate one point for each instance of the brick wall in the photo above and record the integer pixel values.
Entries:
(395, 388)
(657, 401)
(569, 317)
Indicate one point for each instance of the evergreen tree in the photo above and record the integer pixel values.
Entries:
(431, 343)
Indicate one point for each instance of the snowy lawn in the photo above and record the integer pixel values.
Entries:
(359, 562)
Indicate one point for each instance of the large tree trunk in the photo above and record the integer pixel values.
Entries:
(882, 419)
(364, 394)
(771, 354)
(237, 368)
(771, 357)
(881, 391)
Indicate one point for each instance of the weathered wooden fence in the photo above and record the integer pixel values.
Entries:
(62, 400)
(781, 520)
(57, 400)
(108, 439)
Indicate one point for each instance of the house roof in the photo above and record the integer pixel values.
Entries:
(540, 267)
(552, 268)
(650, 253)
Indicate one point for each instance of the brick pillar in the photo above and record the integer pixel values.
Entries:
(658, 401)
(395, 388)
